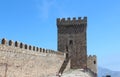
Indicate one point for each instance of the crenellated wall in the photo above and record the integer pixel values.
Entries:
(22, 60)
(92, 63)
(28, 47)
(72, 36)
(18, 59)
(73, 21)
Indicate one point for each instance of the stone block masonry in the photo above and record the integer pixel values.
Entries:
(92, 63)
(22, 62)
(72, 35)
(72, 39)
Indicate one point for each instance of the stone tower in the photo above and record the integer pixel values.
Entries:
(72, 36)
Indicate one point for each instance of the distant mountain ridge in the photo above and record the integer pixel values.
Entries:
(103, 72)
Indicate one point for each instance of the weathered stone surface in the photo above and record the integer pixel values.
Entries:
(72, 34)
(22, 60)
(92, 63)
(16, 62)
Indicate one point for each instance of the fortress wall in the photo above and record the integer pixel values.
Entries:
(22, 60)
(92, 63)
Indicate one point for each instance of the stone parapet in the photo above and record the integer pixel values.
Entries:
(74, 21)
(18, 46)
(92, 63)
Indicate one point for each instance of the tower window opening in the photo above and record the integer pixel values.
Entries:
(94, 62)
(71, 42)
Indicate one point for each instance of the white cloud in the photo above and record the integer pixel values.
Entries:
(45, 6)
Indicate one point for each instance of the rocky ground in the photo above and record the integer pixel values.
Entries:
(75, 73)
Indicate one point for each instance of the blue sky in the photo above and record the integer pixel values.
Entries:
(34, 22)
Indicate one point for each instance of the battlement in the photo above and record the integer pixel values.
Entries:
(73, 21)
(22, 60)
(92, 63)
(92, 56)
(21, 45)
(92, 59)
